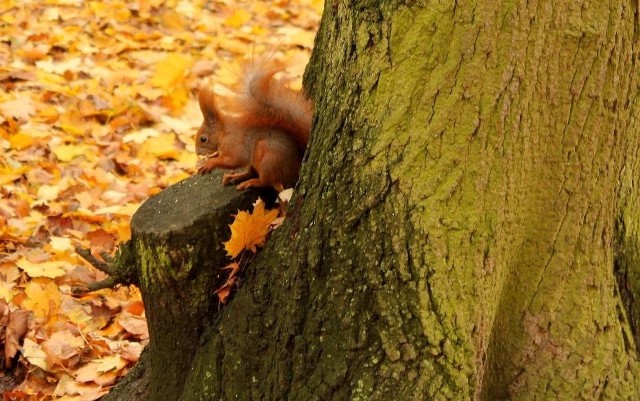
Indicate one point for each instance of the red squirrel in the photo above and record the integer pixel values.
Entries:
(264, 129)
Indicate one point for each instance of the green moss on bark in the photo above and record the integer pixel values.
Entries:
(453, 234)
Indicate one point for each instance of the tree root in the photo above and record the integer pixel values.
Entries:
(120, 269)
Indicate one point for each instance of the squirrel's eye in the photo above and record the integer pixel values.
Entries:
(203, 139)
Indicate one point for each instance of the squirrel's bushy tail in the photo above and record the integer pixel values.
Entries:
(263, 100)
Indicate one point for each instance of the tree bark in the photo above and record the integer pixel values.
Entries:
(466, 222)
(177, 257)
(468, 199)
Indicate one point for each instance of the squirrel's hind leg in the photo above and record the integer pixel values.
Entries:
(258, 183)
(238, 177)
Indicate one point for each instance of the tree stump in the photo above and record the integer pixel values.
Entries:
(175, 256)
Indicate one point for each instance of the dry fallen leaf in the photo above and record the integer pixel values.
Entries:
(94, 369)
(131, 351)
(238, 18)
(21, 141)
(51, 269)
(71, 390)
(249, 231)
(63, 348)
(234, 269)
(94, 119)
(34, 354)
(21, 108)
(170, 71)
(133, 324)
(66, 153)
(41, 299)
(224, 291)
(15, 331)
(7, 290)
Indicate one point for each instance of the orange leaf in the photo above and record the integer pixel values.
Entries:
(224, 291)
(41, 299)
(234, 267)
(249, 231)
(20, 141)
(135, 308)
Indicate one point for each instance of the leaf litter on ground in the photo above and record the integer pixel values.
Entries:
(97, 113)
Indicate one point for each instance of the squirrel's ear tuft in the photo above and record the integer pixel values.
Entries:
(207, 100)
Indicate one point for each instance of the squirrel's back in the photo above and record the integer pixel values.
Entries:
(264, 100)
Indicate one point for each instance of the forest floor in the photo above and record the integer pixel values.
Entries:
(98, 111)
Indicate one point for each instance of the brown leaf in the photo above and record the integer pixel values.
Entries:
(234, 269)
(101, 239)
(224, 291)
(16, 330)
(92, 123)
(63, 348)
(131, 351)
(135, 325)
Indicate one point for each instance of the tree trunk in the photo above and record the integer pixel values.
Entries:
(466, 224)
(176, 248)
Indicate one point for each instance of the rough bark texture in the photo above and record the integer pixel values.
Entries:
(466, 222)
(176, 249)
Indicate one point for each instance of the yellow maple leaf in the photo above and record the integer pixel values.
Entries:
(249, 231)
(81, 319)
(170, 71)
(176, 99)
(71, 128)
(162, 147)
(50, 269)
(41, 298)
(259, 30)
(48, 192)
(66, 153)
(238, 18)
(318, 6)
(20, 141)
(8, 175)
(7, 292)
(122, 14)
(174, 20)
(60, 244)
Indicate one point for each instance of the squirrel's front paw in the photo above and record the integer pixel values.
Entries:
(207, 167)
